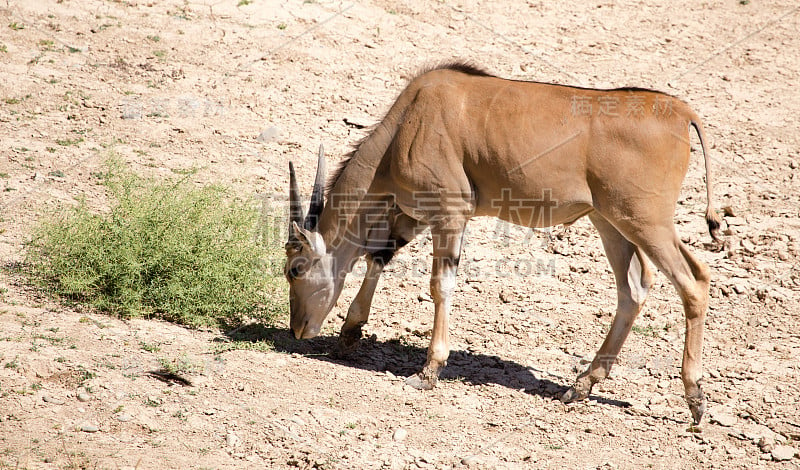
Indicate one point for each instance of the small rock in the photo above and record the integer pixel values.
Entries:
(359, 122)
(89, 428)
(748, 246)
(124, 417)
(470, 460)
(766, 444)
(735, 221)
(84, 397)
(724, 419)
(657, 400)
(53, 400)
(399, 435)
(132, 114)
(297, 420)
(232, 439)
(781, 453)
(268, 134)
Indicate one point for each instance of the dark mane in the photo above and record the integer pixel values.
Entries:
(457, 66)
(460, 66)
(337, 173)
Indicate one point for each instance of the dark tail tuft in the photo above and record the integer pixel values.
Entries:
(712, 218)
(714, 224)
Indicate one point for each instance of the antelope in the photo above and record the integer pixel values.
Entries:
(460, 143)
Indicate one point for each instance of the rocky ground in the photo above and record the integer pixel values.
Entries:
(237, 88)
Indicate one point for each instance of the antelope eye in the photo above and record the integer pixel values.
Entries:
(297, 268)
(293, 248)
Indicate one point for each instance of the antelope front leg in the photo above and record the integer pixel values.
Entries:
(443, 283)
(358, 313)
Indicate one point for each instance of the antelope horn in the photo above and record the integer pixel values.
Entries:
(317, 194)
(295, 206)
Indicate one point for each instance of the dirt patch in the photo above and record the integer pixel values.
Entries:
(172, 86)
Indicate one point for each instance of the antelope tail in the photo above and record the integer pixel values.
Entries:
(712, 218)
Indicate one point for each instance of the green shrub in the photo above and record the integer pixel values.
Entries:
(165, 249)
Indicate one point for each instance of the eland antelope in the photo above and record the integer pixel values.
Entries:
(460, 143)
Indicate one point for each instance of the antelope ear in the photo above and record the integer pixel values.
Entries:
(310, 239)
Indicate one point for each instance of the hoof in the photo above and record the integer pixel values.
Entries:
(348, 342)
(420, 382)
(345, 349)
(574, 394)
(697, 405)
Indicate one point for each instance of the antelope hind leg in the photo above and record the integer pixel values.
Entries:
(633, 279)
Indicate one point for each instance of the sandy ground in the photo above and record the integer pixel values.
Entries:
(176, 85)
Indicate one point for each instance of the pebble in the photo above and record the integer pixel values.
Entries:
(89, 428)
(268, 134)
(780, 453)
(399, 435)
(724, 419)
(766, 444)
(232, 439)
(124, 417)
(359, 122)
(470, 460)
(749, 246)
(131, 114)
(657, 400)
(84, 397)
(53, 400)
(297, 420)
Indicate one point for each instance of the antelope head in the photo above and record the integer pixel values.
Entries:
(309, 267)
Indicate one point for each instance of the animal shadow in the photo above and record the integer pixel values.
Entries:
(404, 360)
